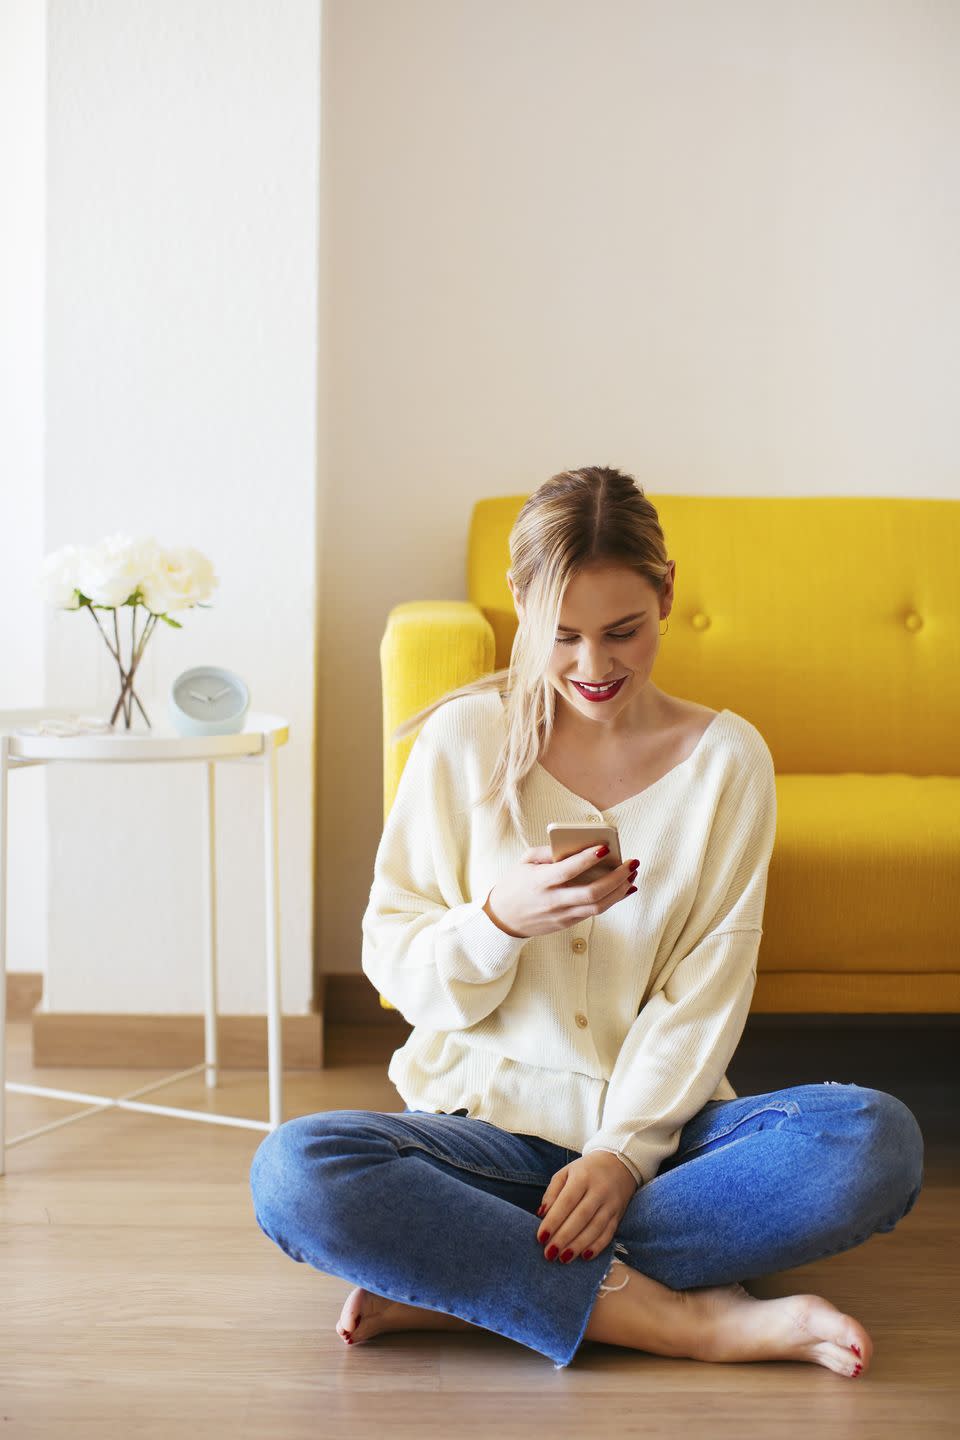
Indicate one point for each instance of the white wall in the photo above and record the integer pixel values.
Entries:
(22, 123)
(713, 244)
(181, 401)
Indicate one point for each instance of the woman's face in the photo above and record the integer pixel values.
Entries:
(609, 631)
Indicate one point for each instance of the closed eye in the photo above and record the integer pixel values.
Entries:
(614, 635)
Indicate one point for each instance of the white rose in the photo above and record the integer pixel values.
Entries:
(58, 577)
(178, 578)
(111, 571)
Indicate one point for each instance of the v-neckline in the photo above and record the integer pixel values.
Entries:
(610, 809)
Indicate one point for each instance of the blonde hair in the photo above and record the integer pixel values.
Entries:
(576, 519)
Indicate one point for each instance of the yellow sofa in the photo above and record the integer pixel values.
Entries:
(833, 625)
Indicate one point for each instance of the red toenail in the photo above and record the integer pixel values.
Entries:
(856, 1349)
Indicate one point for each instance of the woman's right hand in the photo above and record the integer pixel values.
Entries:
(534, 898)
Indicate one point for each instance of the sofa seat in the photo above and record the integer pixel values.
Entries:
(872, 858)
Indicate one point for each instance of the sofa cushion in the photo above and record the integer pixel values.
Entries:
(864, 866)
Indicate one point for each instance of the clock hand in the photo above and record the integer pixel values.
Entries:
(224, 691)
(199, 697)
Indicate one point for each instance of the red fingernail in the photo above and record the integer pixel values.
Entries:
(551, 1252)
(588, 1254)
(604, 850)
(542, 1239)
(566, 1257)
(542, 1211)
(632, 890)
(856, 1350)
(857, 1371)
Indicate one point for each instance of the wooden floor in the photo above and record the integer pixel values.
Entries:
(140, 1300)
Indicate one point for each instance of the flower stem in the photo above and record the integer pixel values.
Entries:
(103, 632)
(133, 646)
(126, 698)
(127, 693)
(123, 685)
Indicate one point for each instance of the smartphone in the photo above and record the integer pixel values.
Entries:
(566, 839)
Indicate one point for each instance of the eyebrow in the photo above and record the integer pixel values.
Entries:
(613, 623)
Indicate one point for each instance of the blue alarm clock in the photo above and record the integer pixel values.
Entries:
(208, 700)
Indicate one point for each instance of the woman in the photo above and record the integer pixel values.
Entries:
(567, 1109)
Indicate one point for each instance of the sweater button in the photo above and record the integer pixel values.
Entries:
(581, 1019)
(913, 621)
(579, 945)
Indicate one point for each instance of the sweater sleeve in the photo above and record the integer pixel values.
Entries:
(678, 1048)
(429, 948)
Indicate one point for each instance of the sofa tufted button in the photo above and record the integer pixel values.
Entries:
(699, 621)
(581, 1019)
(913, 621)
(579, 945)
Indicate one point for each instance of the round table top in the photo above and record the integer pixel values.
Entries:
(161, 742)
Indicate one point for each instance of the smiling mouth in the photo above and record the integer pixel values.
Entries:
(598, 692)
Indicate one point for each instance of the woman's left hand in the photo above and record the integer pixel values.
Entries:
(584, 1205)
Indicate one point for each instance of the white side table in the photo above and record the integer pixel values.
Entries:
(256, 744)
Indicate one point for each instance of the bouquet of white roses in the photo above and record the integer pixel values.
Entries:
(117, 572)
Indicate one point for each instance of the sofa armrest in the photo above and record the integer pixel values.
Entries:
(429, 647)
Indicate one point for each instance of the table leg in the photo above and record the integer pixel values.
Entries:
(272, 884)
(210, 958)
(4, 762)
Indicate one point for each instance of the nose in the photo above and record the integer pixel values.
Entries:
(595, 667)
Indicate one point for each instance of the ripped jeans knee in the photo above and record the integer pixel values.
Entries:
(603, 1289)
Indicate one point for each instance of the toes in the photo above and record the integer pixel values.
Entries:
(842, 1360)
(847, 1361)
(857, 1352)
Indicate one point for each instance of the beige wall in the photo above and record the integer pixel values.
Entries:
(712, 244)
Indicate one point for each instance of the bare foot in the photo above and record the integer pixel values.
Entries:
(725, 1323)
(736, 1326)
(365, 1314)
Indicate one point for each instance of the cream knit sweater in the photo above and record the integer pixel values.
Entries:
(609, 1035)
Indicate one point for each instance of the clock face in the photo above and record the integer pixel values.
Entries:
(210, 694)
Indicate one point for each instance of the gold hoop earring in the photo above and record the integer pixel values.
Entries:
(663, 632)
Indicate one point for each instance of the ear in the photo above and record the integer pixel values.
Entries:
(670, 582)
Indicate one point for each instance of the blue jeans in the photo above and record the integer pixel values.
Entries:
(439, 1211)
